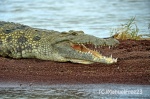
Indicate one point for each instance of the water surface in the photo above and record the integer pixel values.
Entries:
(96, 17)
(79, 91)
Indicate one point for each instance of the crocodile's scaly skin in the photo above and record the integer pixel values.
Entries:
(21, 41)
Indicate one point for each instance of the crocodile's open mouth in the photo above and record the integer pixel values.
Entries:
(82, 48)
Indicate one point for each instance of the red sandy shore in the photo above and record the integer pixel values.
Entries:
(133, 67)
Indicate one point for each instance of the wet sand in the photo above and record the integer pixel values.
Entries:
(133, 67)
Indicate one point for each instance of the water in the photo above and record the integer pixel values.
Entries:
(80, 91)
(96, 17)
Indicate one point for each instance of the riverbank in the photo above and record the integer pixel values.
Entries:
(133, 67)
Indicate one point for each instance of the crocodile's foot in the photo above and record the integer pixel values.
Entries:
(97, 56)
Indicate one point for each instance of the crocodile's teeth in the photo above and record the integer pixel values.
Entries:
(89, 52)
(115, 60)
(111, 56)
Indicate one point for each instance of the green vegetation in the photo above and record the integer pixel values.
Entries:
(128, 30)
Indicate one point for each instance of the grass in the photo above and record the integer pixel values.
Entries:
(128, 30)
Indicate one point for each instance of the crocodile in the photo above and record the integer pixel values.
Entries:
(22, 41)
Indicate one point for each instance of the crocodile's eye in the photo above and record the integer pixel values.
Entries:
(77, 32)
(74, 33)
(69, 33)
(35, 30)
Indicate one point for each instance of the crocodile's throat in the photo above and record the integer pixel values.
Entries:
(82, 48)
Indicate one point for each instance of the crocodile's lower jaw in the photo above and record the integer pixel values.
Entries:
(81, 48)
(81, 61)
